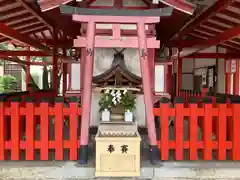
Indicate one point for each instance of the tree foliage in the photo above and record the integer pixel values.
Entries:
(47, 70)
(7, 83)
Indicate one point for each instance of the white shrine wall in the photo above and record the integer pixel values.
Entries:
(189, 65)
(103, 58)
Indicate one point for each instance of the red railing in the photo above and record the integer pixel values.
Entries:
(199, 95)
(28, 111)
(211, 115)
(224, 116)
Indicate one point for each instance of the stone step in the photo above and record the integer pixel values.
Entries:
(164, 171)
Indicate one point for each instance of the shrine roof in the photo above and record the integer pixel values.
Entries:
(118, 73)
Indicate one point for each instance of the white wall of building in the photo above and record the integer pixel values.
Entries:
(37, 72)
(190, 64)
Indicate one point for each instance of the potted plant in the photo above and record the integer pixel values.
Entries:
(105, 105)
(128, 103)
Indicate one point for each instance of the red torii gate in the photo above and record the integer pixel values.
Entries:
(142, 42)
(91, 42)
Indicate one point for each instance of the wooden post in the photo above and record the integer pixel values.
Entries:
(236, 80)
(69, 66)
(169, 79)
(28, 72)
(64, 74)
(147, 92)
(87, 87)
(179, 74)
(55, 63)
(228, 79)
(55, 69)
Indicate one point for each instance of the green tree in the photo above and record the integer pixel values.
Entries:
(7, 83)
(4, 46)
(47, 70)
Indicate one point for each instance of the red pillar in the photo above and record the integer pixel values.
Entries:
(28, 59)
(147, 92)
(169, 79)
(151, 60)
(64, 75)
(69, 66)
(179, 74)
(55, 62)
(228, 83)
(82, 64)
(227, 78)
(236, 80)
(87, 98)
(55, 69)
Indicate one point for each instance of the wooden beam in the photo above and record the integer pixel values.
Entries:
(214, 56)
(36, 13)
(4, 53)
(47, 5)
(116, 12)
(19, 61)
(204, 44)
(124, 32)
(130, 42)
(116, 19)
(179, 5)
(22, 38)
(211, 11)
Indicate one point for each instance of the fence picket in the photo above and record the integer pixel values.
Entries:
(164, 116)
(44, 130)
(221, 131)
(179, 131)
(2, 131)
(73, 130)
(236, 132)
(207, 132)
(193, 132)
(59, 128)
(15, 131)
(30, 133)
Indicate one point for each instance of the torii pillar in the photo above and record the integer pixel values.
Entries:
(147, 90)
(87, 88)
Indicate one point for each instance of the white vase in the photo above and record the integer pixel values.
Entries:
(105, 115)
(128, 116)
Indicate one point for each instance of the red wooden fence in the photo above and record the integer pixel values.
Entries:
(14, 112)
(220, 112)
(208, 112)
(187, 94)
